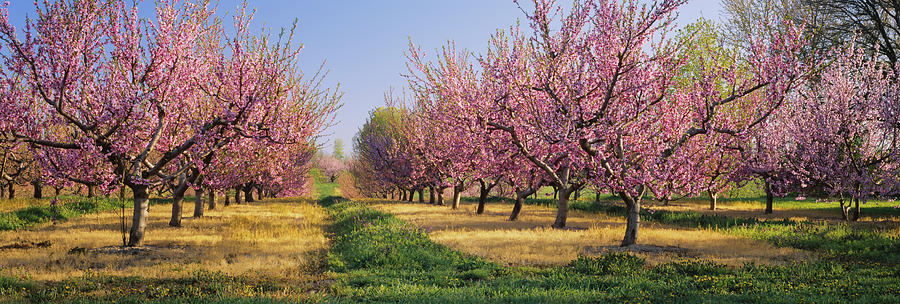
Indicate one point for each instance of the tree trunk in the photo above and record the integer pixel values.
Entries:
(457, 192)
(482, 195)
(227, 198)
(713, 200)
(521, 195)
(577, 194)
(845, 210)
(597, 196)
(440, 196)
(855, 209)
(212, 199)
(177, 208)
(259, 193)
(237, 195)
(55, 189)
(421, 196)
(770, 198)
(90, 190)
(38, 188)
(12, 191)
(141, 211)
(562, 207)
(248, 194)
(431, 195)
(198, 203)
(632, 217)
(412, 193)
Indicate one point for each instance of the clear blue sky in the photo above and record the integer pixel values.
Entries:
(364, 41)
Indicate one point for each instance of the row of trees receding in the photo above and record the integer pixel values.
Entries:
(102, 94)
(610, 95)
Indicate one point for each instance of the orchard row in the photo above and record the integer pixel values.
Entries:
(609, 95)
(95, 92)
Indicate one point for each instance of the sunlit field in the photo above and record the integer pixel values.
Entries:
(531, 240)
(276, 239)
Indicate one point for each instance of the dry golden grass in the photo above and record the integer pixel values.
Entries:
(749, 209)
(275, 238)
(743, 209)
(531, 241)
(8, 205)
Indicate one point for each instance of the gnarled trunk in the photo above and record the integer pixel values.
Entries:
(562, 207)
(12, 191)
(856, 211)
(212, 200)
(139, 219)
(38, 188)
(713, 200)
(521, 195)
(421, 196)
(632, 218)
(483, 193)
(769, 198)
(198, 203)
(412, 193)
(431, 195)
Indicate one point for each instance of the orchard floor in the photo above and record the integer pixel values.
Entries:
(881, 215)
(531, 240)
(279, 240)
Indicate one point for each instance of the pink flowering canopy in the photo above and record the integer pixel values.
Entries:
(599, 94)
(119, 99)
(847, 140)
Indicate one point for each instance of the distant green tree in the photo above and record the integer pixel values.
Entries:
(338, 149)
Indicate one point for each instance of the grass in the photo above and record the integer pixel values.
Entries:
(750, 200)
(66, 209)
(880, 243)
(272, 249)
(322, 186)
(378, 258)
(531, 241)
